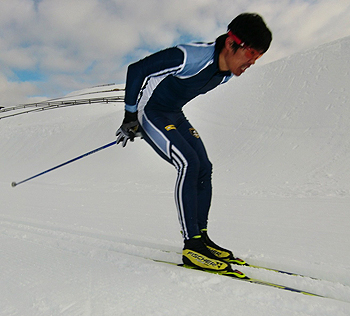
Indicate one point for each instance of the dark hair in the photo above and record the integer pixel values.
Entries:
(220, 42)
(252, 30)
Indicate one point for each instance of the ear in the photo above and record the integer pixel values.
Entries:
(228, 43)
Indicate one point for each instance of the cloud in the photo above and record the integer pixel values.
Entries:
(16, 92)
(79, 43)
(299, 25)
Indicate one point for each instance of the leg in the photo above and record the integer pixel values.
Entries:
(204, 185)
(175, 140)
(204, 193)
(161, 132)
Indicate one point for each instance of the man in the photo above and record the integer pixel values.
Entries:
(157, 87)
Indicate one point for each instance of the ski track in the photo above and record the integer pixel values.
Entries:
(109, 249)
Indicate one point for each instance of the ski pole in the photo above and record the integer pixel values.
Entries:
(14, 184)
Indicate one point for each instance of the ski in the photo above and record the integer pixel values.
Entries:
(240, 262)
(281, 271)
(246, 279)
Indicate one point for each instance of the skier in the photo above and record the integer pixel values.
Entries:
(157, 88)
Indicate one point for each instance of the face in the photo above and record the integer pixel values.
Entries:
(237, 62)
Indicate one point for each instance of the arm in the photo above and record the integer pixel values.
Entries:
(169, 60)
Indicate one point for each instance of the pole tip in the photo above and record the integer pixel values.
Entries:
(13, 184)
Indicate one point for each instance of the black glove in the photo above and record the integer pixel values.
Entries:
(128, 129)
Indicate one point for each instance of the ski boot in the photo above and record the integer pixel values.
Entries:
(195, 254)
(221, 253)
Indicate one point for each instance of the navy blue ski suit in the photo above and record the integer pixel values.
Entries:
(158, 87)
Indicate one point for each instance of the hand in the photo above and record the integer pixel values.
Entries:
(128, 130)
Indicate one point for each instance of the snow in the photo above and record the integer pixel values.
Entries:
(73, 241)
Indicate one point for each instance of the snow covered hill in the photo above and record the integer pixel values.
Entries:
(72, 240)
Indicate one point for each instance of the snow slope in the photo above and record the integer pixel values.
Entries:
(73, 240)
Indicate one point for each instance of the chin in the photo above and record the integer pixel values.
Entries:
(237, 73)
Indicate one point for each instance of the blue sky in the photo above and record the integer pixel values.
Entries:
(51, 47)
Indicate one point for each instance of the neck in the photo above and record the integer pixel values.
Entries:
(222, 60)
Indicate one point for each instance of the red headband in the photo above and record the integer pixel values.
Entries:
(251, 52)
(235, 38)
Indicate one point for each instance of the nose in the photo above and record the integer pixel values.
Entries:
(252, 61)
